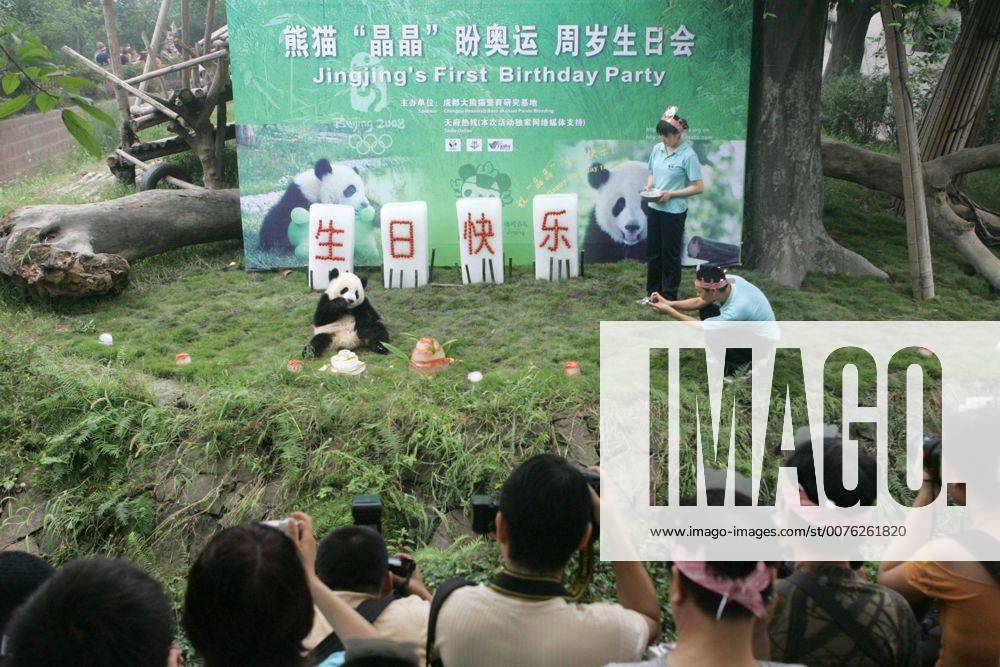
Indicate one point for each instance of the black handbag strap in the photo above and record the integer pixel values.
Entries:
(844, 619)
(370, 609)
(440, 595)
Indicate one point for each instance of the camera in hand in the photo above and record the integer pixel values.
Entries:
(402, 566)
(366, 508)
(484, 515)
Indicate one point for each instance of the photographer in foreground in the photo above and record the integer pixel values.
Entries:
(353, 562)
(525, 615)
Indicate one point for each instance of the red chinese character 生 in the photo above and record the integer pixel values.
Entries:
(403, 236)
(329, 243)
(554, 233)
(481, 230)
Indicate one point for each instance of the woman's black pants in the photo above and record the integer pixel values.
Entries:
(664, 245)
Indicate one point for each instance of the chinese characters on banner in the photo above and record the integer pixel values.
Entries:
(555, 221)
(406, 40)
(404, 244)
(480, 229)
(331, 242)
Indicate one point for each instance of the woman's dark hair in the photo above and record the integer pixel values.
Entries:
(665, 129)
(247, 600)
(708, 602)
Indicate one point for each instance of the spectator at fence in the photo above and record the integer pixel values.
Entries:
(826, 615)
(101, 56)
(91, 613)
(21, 574)
(525, 616)
(354, 563)
(250, 598)
(716, 606)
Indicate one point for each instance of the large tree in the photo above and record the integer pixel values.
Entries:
(847, 45)
(784, 235)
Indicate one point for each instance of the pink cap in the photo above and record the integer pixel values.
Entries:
(745, 591)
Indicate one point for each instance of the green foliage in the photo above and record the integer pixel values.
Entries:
(31, 74)
(856, 107)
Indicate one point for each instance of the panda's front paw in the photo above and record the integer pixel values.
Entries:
(379, 348)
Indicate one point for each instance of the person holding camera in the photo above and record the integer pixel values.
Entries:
(967, 592)
(387, 592)
(827, 615)
(526, 615)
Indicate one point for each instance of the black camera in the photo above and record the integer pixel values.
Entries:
(932, 457)
(484, 515)
(401, 566)
(366, 508)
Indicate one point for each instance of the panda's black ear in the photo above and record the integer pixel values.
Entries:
(466, 170)
(364, 281)
(322, 168)
(356, 170)
(334, 272)
(597, 175)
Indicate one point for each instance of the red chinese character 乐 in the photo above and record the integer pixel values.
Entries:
(554, 233)
(329, 243)
(405, 239)
(482, 230)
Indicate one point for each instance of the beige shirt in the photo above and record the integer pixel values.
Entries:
(478, 627)
(404, 620)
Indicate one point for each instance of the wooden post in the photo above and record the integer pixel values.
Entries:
(154, 43)
(220, 136)
(169, 69)
(126, 136)
(185, 38)
(917, 234)
(209, 19)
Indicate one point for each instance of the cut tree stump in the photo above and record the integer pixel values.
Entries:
(86, 249)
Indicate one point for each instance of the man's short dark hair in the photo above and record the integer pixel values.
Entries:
(353, 558)
(863, 493)
(711, 273)
(96, 611)
(21, 574)
(247, 600)
(546, 506)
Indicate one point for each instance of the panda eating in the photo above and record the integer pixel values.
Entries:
(345, 318)
(325, 183)
(618, 227)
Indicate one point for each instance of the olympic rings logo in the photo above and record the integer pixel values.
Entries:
(370, 144)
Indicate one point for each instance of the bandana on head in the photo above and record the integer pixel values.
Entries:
(707, 284)
(670, 115)
(745, 591)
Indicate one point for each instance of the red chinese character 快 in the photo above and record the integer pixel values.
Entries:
(554, 233)
(406, 239)
(329, 243)
(482, 230)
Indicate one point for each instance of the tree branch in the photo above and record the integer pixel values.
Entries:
(859, 165)
(940, 172)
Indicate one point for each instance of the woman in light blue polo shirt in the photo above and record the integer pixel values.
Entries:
(673, 168)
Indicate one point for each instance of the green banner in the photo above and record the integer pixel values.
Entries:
(432, 101)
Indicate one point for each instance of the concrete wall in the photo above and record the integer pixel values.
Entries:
(30, 142)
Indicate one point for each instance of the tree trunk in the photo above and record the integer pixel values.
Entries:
(124, 172)
(917, 234)
(947, 211)
(85, 250)
(784, 235)
(954, 116)
(847, 46)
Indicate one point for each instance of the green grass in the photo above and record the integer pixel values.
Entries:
(114, 471)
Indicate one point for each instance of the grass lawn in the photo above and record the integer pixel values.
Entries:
(93, 461)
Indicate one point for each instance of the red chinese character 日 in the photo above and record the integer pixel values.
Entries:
(329, 243)
(405, 239)
(482, 230)
(554, 234)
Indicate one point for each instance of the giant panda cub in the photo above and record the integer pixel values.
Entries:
(325, 183)
(345, 318)
(618, 226)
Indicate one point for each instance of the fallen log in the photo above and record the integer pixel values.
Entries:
(86, 249)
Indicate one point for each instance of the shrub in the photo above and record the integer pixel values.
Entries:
(856, 107)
